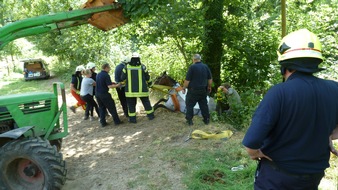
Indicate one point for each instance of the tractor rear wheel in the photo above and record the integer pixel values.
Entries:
(31, 164)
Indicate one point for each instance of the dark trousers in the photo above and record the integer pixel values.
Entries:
(269, 177)
(91, 104)
(131, 101)
(105, 111)
(197, 96)
(123, 100)
(105, 101)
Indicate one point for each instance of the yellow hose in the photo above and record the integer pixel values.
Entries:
(198, 134)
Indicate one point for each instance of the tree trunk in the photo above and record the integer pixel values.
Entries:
(13, 62)
(213, 38)
(7, 66)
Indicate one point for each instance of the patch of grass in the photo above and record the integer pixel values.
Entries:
(207, 165)
(144, 177)
(19, 85)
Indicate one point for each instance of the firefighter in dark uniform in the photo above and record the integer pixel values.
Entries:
(293, 127)
(121, 92)
(198, 82)
(75, 86)
(136, 79)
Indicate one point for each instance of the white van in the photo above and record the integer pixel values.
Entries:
(35, 69)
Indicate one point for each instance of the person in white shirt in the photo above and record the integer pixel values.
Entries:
(87, 94)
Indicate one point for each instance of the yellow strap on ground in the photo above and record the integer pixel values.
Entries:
(198, 134)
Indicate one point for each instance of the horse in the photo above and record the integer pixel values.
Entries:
(166, 82)
(176, 100)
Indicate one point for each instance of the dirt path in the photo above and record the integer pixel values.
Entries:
(125, 156)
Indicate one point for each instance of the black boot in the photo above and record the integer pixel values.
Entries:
(189, 122)
(132, 119)
(206, 121)
(151, 116)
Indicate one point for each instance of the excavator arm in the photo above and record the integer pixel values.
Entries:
(104, 17)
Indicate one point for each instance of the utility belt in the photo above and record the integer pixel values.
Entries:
(276, 168)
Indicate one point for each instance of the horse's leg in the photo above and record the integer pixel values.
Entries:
(161, 100)
(163, 106)
(156, 105)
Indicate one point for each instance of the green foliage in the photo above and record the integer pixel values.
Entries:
(250, 47)
(140, 8)
(240, 115)
(152, 55)
(166, 23)
(12, 49)
(317, 17)
(79, 45)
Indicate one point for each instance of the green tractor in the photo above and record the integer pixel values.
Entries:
(30, 139)
(30, 124)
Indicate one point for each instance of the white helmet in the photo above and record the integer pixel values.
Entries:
(135, 54)
(80, 68)
(90, 65)
(126, 59)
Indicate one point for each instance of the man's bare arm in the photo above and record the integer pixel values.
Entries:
(256, 154)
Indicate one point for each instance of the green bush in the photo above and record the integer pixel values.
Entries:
(240, 115)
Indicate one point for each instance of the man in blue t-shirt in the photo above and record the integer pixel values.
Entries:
(104, 99)
(293, 127)
(198, 82)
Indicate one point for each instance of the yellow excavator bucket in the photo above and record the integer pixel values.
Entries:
(106, 20)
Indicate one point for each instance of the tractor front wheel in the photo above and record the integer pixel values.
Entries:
(57, 143)
(31, 164)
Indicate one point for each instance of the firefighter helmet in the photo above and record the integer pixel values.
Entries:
(135, 54)
(301, 51)
(135, 59)
(90, 65)
(126, 59)
(80, 68)
(300, 44)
